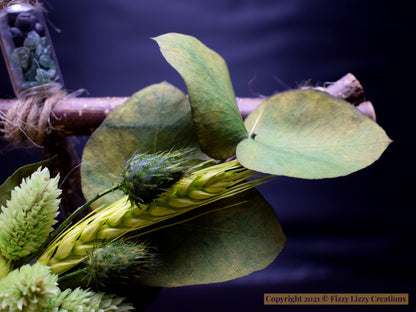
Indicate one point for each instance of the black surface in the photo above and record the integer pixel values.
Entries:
(351, 234)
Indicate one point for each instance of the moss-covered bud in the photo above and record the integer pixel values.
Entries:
(147, 175)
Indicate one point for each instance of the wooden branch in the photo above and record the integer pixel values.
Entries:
(367, 108)
(347, 88)
(81, 116)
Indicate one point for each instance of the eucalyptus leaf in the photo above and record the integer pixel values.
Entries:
(157, 118)
(225, 244)
(218, 122)
(16, 178)
(310, 134)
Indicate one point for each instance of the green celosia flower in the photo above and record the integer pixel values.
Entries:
(28, 289)
(86, 301)
(4, 267)
(29, 215)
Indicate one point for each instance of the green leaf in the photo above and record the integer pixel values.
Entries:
(310, 134)
(218, 122)
(16, 178)
(157, 118)
(219, 246)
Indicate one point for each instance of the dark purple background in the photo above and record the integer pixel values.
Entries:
(351, 234)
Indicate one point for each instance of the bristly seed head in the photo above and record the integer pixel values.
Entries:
(147, 175)
(119, 262)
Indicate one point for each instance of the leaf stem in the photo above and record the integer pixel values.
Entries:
(255, 125)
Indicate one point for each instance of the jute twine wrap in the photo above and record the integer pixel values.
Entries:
(29, 119)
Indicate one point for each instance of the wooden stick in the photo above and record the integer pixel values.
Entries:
(81, 116)
(347, 88)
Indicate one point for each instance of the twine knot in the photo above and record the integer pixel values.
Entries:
(28, 121)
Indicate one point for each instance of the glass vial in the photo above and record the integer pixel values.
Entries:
(27, 48)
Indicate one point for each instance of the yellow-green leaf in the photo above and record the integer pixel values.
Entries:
(310, 134)
(219, 246)
(218, 123)
(16, 178)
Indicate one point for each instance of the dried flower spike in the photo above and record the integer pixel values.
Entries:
(29, 215)
(109, 223)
